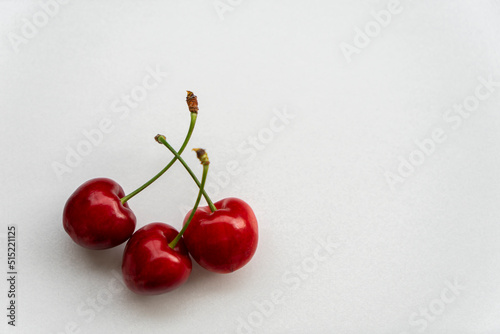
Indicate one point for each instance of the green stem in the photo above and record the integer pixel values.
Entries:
(186, 140)
(162, 140)
(198, 199)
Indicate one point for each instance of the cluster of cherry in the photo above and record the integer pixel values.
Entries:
(221, 237)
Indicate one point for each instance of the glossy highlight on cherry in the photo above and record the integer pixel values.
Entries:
(225, 240)
(94, 216)
(150, 266)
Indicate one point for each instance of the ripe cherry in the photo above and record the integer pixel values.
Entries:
(150, 266)
(94, 216)
(225, 240)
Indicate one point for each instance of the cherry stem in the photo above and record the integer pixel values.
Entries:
(161, 139)
(204, 160)
(186, 140)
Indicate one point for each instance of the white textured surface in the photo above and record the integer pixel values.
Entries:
(321, 176)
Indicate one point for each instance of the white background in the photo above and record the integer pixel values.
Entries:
(321, 176)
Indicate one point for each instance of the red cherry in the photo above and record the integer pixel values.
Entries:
(150, 266)
(94, 216)
(225, 240)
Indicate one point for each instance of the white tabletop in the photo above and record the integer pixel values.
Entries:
(366, 138)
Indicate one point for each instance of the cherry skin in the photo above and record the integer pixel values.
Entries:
(150, 266)
(225, 240)
(94, 216)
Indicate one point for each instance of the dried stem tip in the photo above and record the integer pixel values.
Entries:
(202, 156)
(157, 138)
(192, 102)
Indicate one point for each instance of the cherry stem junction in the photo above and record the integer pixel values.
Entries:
(162, 140)
(193, 108)
(205, 162)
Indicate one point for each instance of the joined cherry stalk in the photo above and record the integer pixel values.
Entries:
(203, 157)
(221, 237)
(192, 102)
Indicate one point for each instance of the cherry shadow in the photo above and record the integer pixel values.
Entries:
(201, 285)
(101, 260)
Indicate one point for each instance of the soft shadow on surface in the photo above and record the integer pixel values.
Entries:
(104, 260)
(201, 285)
(103, 267)
(200, 276)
